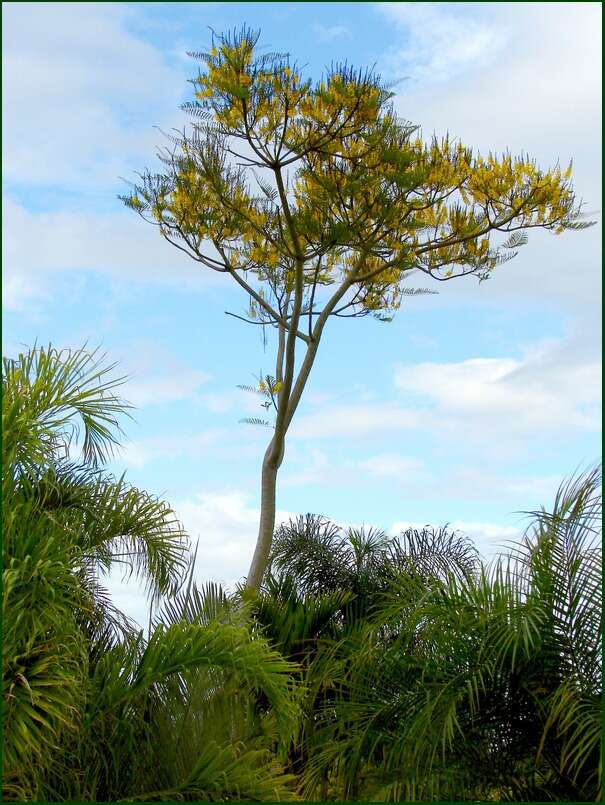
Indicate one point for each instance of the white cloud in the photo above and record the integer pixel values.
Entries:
(353, 421)
(158, 389)
(527, 84)
(488, 410)
(441, 43)
(554, 389)
(245, 403)
(317, 398)
(395, 466)
(531, 82)
(38, 246)
(141, 452)
(498, 404)
(221, 402)
(98, 90)
(72, 78)
(227, 527)
(487, 479)
(314, 467)
(156, 375)
(22, 293)
(538, 489)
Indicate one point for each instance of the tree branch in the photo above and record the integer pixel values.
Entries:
(250, 321)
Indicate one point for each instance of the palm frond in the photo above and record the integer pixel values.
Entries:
(48, 395)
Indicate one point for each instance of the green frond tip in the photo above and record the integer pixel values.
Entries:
(73, 389)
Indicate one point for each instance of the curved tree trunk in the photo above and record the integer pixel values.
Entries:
(271, 463)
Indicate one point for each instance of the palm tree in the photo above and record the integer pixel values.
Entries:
(318, 605)
(65, 522)
(92, 710)
(489, 686)
(367, 666)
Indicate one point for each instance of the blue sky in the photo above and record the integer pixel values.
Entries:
(468, 407)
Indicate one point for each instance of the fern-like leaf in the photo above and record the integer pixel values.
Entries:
(197, 110)
(253, 420)
(515, 240)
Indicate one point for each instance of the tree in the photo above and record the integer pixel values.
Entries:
(319, 202)
(64, 522)
(323, 587)
(490, 686)
(93, 711)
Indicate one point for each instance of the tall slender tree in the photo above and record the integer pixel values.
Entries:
(319, 202)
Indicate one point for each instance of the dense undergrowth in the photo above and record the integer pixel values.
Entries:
(368, 668)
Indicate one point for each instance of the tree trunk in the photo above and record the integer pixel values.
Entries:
(289, 398)
(271, 463)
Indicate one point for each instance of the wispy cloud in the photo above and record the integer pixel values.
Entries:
(83, 74)
(38, 246)
(157, 376)
(142, 452)
(531, 80)
(354, 421)
(554, 389)
(441, 41)
(315, 467)
(394, 466)
(502, 402)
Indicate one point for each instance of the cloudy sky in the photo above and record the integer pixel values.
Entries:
(468, 408)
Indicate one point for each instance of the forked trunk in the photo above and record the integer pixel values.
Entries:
(275, 454)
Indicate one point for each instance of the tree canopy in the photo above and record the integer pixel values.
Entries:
(358, 197)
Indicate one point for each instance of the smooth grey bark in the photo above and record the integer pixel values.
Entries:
(289, 398)
(267, 521)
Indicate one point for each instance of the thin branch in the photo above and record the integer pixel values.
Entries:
(197, 256)
(251, 321)
(313, 289)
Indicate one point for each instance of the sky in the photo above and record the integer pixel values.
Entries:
(469, 408)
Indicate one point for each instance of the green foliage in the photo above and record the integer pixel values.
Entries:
(367, 667)
(47, 395)
(322, 556)
(483, 685)
(92, 710)
(174, 717)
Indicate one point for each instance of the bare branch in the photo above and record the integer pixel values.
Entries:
(251, 321)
